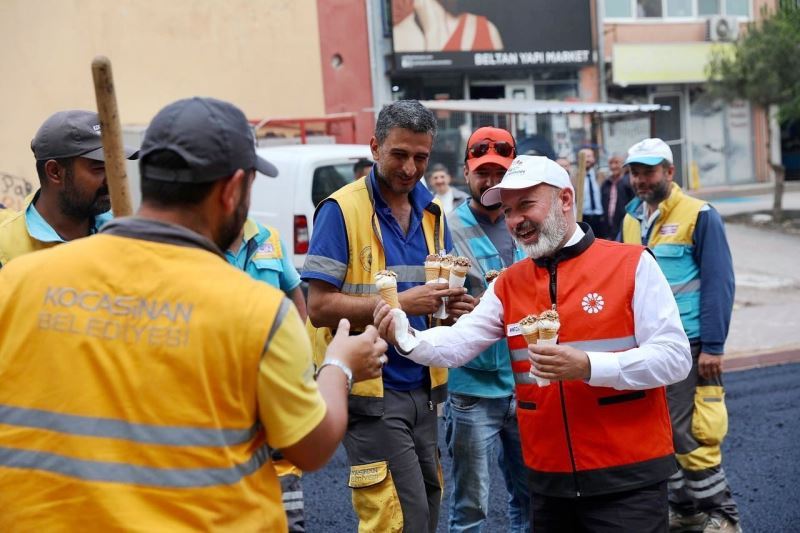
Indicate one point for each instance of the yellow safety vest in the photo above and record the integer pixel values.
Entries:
(366, 258)
(133, 399)
(14, 237)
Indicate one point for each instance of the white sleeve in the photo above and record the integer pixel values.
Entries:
(663, 356)
(456, 345)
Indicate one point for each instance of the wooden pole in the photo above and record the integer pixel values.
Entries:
(580, 182)
(111, 132)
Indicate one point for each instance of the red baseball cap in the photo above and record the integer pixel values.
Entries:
(491, 136)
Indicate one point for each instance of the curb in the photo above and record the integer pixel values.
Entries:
(747, 362)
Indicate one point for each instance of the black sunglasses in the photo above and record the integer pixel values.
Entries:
(501, 148)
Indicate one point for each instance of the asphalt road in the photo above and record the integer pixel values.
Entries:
(761, 458)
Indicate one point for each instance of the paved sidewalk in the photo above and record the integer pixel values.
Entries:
(765, 328)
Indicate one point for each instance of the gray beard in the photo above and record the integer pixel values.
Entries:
(551, 234)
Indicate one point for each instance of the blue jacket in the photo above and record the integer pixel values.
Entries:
(688, 239)
(488, 375)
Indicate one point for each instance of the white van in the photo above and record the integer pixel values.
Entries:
(307, 174)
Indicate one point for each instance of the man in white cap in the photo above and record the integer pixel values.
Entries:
(596, 439)
(688, 239)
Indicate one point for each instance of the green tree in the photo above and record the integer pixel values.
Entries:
(764, 68)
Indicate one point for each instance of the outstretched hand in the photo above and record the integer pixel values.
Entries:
(364, 354)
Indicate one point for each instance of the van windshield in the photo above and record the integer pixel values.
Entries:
(330, 178)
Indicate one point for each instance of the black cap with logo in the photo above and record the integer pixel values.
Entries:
(212, 136)
(72, 133)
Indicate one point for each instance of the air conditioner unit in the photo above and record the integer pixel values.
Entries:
(723, 28)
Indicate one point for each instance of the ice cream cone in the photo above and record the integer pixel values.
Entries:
(549, 325)
(386, 283)
(491, 275)
(389, 295)
(431, 273)
(432, 266)
(530, 329)
(532, 338)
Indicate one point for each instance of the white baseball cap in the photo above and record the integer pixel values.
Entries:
(649, 152)
(528, 171)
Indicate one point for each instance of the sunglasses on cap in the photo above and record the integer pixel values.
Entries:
(481, 148)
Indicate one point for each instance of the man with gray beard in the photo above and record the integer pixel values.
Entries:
(596, 439)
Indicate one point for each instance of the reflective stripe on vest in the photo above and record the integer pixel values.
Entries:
(133, 474)
(598, 345)
(118, 429)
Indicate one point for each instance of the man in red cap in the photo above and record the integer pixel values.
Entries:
(481, 405)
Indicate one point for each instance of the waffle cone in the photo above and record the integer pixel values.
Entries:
(444, 272)
(431, 274)
(389, 295)
(548, 334)
(532, 338)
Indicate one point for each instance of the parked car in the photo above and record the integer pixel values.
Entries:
(307, 174)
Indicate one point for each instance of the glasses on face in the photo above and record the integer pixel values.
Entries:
(481, 148)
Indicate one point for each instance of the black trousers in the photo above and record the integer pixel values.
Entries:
(643, 510)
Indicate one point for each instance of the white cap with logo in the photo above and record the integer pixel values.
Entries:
(649, 152)
(528, 171)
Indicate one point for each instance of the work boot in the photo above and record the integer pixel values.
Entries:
(679, 523)
(722, 524)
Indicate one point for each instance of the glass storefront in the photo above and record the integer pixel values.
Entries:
(559, 135)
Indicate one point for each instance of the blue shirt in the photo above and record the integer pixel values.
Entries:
(329, 240)
(258, 257)
(39, 229)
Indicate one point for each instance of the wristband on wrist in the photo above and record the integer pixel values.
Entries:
(341, 366)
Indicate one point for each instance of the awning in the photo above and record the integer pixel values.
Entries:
(538, 107)
(650, 64)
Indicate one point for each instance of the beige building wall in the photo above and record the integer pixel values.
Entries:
(263, 55)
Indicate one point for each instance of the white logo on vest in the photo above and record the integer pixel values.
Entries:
(593, 303)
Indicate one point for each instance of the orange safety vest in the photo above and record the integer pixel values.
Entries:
(581, 440)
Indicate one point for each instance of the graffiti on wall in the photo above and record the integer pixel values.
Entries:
(13, 190)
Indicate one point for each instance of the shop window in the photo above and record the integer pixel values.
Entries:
(737, 7)
(618, 9)
(708, 7)
(648, 8)
(679, 8)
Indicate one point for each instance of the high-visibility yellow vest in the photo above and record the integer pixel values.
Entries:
(671, 237)
(366, 258)
(133, 391)
(14, 237)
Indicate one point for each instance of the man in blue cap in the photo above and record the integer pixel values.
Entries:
(688, 239)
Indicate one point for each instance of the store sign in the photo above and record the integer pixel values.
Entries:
(476, 34)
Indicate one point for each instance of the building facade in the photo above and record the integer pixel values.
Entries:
(650, 51)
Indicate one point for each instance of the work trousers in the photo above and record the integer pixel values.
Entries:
(395, 473)
(641, 510)
(477, 431)
(699, 424)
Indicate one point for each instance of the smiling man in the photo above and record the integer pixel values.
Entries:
(597, 440)
(688, 239)
(481, 405)
(388, 220)
(73, 201)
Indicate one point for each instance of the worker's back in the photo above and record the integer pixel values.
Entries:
(131, 394)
